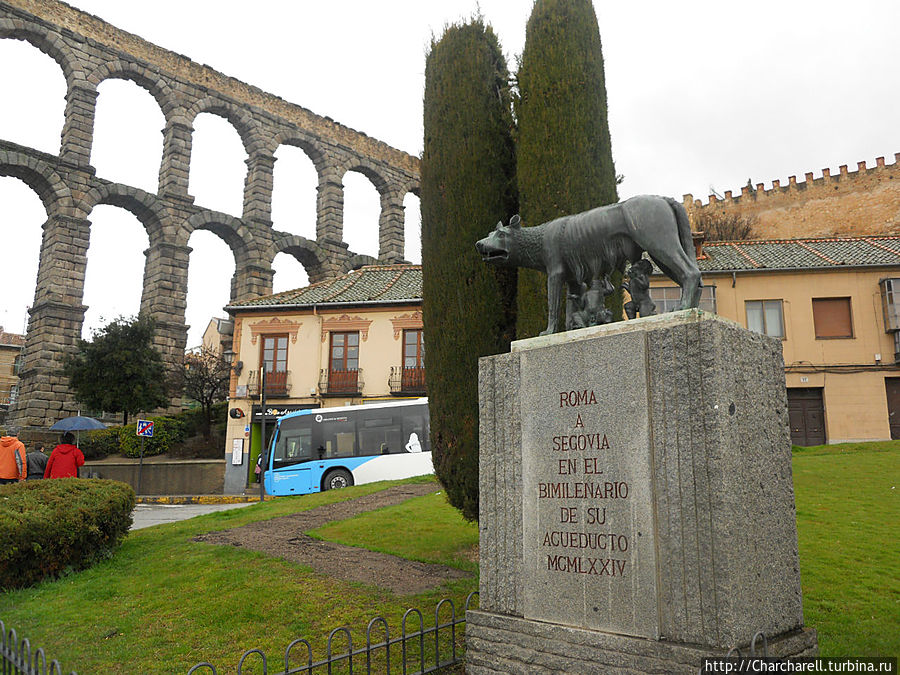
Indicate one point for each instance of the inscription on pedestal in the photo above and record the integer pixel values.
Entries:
(588, 533)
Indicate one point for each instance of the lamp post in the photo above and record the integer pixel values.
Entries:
(263, 448)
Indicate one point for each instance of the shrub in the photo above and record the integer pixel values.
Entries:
(49, 527)
(99, 443)
(166, 432)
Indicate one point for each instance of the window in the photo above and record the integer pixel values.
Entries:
(413, 348)
(766, 317)
(343, 366)
(668, 298)
(890, 294)
(344, 351)
(274, 353)
(832, 318)
(274, 357)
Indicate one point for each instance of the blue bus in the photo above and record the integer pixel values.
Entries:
(329, 448)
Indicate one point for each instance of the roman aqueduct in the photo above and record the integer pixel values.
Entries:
(90, 51)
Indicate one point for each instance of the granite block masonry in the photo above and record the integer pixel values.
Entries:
(637, 505)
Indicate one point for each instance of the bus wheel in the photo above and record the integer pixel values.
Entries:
(337, 479)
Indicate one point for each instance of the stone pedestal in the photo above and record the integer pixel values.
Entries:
(637, 506)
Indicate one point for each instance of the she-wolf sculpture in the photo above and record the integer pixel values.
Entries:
(582, 249)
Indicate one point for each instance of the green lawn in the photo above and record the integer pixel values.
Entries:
(848, 520)
(164, 603)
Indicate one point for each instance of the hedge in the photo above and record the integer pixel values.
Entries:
(50, 527)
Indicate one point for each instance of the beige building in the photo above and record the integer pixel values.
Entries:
(834, 303)
(350, 340)
(11, 346)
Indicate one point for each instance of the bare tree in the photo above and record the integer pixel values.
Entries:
(205, 378)
(725, 226)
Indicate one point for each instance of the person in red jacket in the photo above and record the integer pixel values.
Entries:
(65, 459)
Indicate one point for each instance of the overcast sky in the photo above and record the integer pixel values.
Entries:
(702, 95)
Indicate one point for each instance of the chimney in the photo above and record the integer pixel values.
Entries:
(699, 238)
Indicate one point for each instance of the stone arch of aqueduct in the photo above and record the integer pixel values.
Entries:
(89, 51)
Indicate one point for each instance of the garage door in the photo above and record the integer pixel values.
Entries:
(806, 410)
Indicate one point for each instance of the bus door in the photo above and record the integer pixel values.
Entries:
(291, 464)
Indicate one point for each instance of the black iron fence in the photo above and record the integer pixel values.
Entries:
(17, 656)
(415, 651)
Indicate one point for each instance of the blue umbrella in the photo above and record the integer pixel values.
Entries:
(77, 423)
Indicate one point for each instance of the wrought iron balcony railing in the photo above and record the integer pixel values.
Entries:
(340, 382)
(278, 384)
(405, 380)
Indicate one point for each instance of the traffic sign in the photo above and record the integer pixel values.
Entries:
(145, 428)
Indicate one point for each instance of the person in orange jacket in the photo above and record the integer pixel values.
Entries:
(65, 459)
(13, 466)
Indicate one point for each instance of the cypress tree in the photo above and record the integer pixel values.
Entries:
(468, 184)
(565, 162)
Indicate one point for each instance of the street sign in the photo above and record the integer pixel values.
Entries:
(145, 428)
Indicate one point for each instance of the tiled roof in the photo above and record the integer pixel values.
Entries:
(782, 254)
(379, 284)
(373, 284)
(11, 339)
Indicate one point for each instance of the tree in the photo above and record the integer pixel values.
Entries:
(725, 226)
(468, 184)
(565, 162)
(205, 377)
(119, 370)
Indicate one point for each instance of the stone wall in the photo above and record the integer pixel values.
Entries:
(90, 51)
(865, 201)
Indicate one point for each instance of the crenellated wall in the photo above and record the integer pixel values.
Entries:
(865, 201)
(90, 51)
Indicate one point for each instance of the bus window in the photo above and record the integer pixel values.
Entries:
(415, 431)
(338, 438)
(380, 435)
(294, 444)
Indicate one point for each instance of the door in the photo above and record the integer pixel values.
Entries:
(892, 387)
(806, 410)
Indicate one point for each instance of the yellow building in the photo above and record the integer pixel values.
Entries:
(834, 303)
(346, 341)
(11, 346)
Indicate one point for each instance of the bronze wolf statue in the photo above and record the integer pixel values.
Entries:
(576, 250)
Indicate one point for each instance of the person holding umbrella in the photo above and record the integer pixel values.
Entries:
(65, 459)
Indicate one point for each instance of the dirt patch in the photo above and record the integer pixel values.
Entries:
(285, 537)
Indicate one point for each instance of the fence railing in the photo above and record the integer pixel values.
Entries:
(16, 656)
(426, 650)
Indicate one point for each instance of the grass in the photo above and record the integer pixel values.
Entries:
(164, 602)
(848, 519)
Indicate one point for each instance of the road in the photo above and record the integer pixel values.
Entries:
(145, 515)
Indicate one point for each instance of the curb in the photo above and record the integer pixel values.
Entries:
(198, 499)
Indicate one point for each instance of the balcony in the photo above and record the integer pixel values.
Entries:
(340, 382)
(278, 384)
(407, 381)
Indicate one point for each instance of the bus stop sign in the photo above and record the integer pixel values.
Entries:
(145, 428)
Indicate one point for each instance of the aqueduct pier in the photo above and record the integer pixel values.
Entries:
(90, 51)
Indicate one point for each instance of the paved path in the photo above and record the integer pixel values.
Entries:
(145, 515)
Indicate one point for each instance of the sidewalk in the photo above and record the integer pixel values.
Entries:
(199, 499)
